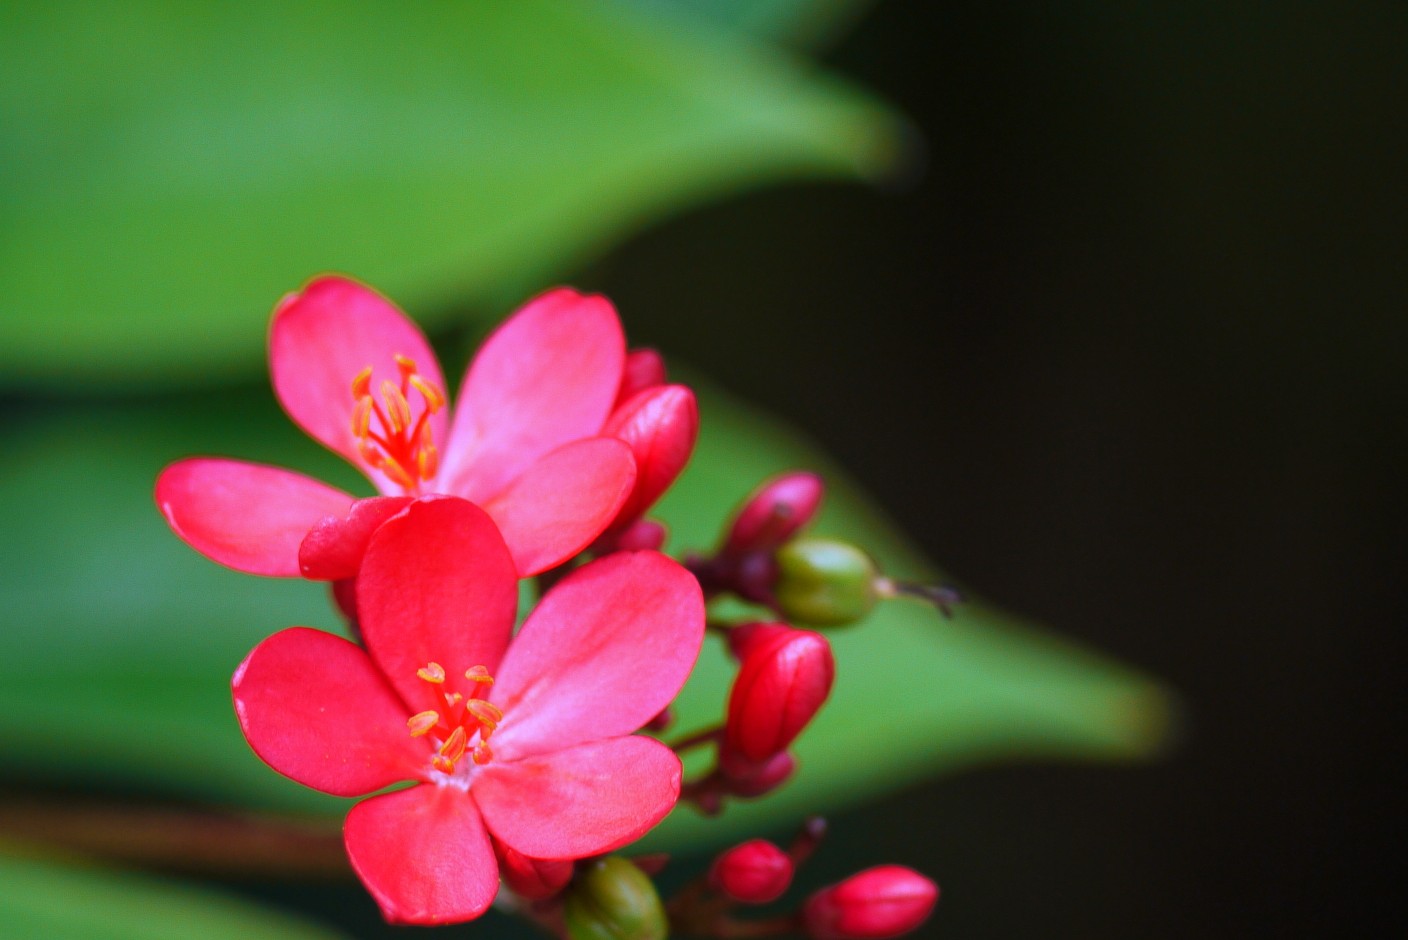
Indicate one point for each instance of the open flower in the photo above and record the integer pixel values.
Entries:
(525, 743)
(527, 439)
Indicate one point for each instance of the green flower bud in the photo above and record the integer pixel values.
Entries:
(612, 899)
(824, 583)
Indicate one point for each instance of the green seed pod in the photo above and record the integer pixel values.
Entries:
(824, 583)
(612, 899)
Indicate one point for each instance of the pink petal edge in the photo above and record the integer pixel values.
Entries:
(246, 516)
(315, 708)
(581, 801)
(320, 339)
(424, 855)
(563, 501)
(547, 376)
(602, 653)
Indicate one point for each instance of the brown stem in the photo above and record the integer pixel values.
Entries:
(697, 739)
(184, 840)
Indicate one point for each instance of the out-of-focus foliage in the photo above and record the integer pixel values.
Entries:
(134, 638)
(170, 169)
(47, 901)
(802, 23)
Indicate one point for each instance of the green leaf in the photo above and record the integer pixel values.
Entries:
(803, 23)
(48, 901)
(120, 641)
(161, 192)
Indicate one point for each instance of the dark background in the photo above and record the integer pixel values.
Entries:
(1127, 355)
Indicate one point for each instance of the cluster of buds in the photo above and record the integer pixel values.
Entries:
(766, 558)
(881, 902)
(546, 465)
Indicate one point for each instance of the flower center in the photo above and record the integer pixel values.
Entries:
(400, 445)
(460, 719)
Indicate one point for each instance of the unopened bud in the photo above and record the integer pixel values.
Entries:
(755, 872)
(747, 778)
(780, 686)
(775, 512)
(532, 879)
(746, 636)
(612, 899)
(660, 425)
(641, 535)
(824, 582)
(877, 903)
(645, 368)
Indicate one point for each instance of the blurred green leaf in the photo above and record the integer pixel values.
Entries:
(119, 642)
(168, 168)
(803, 23)
(47, 901)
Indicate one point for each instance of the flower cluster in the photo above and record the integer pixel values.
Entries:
(502, 762)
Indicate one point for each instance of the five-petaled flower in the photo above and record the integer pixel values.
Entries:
(525, 742)
(556, 433)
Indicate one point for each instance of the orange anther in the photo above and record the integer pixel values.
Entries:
(406, 364)
(434, 398)
(453, 748)
(442, 764)
(398, 410)
(422, 723)
(454, 698)
(487, 715)
(362, 383)
(432, 672)
(481, 754)
(362, 417)
(479, 674)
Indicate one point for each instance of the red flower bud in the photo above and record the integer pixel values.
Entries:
(660, 426)
(755, 872)
(775, 512)
(641, 535)
(780, 686)
(532, 879)
(645, 368)
(746, 778)
(746, 636)
(877, 903)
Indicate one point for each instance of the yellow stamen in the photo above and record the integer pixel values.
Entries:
(406, 364)
(362, 383)
(432, 672)
(362, 419)
(453, 748)
(487, 715)
(422, 723)
(398, 410)
(479, 674)
(434, 398)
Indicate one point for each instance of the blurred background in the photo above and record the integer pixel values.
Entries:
(1099, 308)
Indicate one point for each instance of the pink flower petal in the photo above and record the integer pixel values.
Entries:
(321, 339)
(315, 708)
(602, 654)
(660, 425)
(563, 501)
(437, 585)
(581, 801)
(424, 855)
(546, 377)
(248, 516)
(644, 368)
(333, 549)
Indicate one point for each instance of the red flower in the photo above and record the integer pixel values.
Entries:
(528, 440)
(527, 743)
